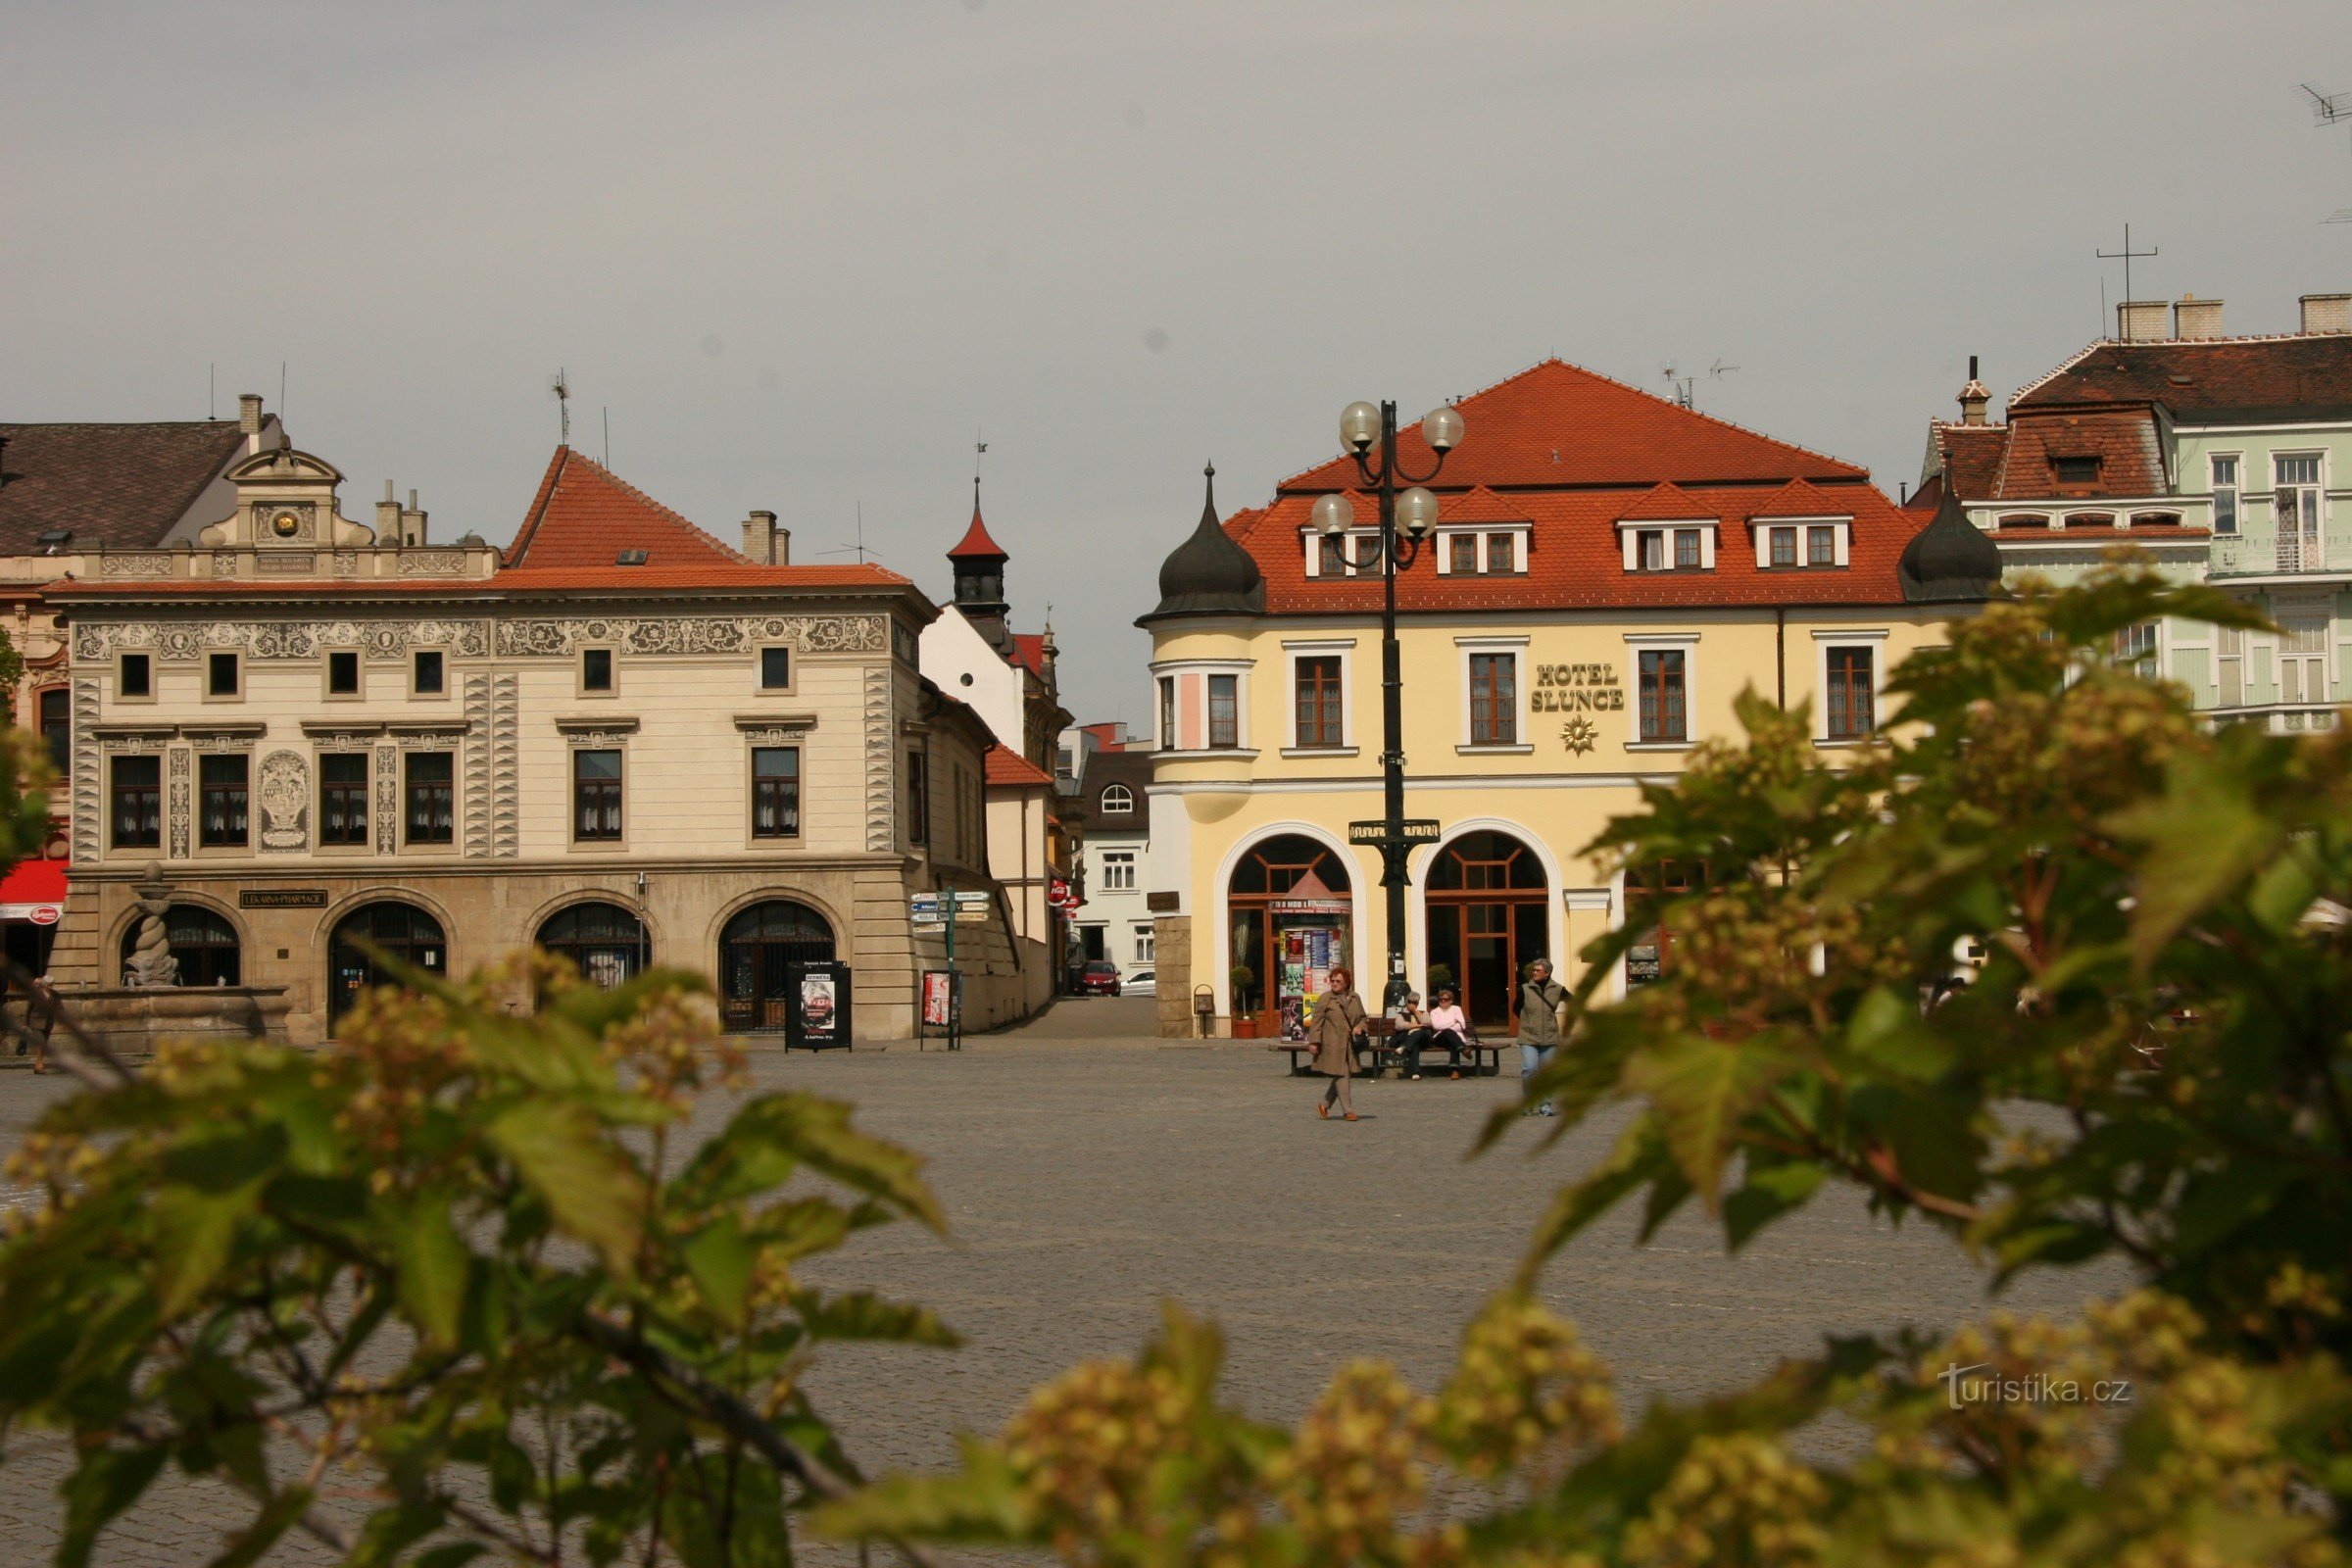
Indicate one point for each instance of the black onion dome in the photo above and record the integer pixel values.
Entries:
(1209, 574)
(1950, 560)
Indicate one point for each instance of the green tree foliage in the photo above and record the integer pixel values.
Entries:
(462, 1267)
(2149, 1060)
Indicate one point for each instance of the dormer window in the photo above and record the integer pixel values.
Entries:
(1669, 546)
(2075, 472)
(1335, 562)
(1803, 544)
(1475, 553)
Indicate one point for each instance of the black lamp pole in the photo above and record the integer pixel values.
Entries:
(1394, 554)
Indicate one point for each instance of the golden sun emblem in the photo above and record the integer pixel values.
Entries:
(1577, 734)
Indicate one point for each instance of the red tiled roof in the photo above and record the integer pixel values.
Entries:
(1926, 498)
(1007, 769)
(1479, 505)
(1664, 503)
(2125, 441)
(1973, 453)
(1557, 424)
(1029, 652)
(975, 540)
(120, 485)
(720, 579)
(1800, 499)
(2200, 378)
(1576, 561)
(585, 515)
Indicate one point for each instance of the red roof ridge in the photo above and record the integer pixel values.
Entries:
(552, 498)
(1799, 490)
(2064, 365)
(1456, 402)
(1003, 766)
(1665, 502)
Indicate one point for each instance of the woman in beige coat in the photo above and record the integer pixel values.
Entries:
(1339, 1019)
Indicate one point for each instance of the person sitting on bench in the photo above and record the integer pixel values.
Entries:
(1447, 1027)
(1407, 1026)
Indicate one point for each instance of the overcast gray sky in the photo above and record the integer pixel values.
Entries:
(802, 251)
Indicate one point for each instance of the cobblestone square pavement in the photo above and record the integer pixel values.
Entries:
(1089, 1171)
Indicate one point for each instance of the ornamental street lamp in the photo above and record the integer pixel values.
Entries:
(1413, 513)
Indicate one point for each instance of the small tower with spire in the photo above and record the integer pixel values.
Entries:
(979, 564)
(1974, 397)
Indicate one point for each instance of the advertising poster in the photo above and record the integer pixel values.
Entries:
(817, 998)
(936, 992)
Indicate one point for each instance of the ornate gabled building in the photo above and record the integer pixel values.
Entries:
(2212, 458)
(1607, 572)
(618, 739)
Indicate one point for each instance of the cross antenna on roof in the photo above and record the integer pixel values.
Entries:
(560, 385)
(2125, 256)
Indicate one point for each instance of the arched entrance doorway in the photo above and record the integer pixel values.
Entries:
(202, 940)
(1490, 917)
(1288, 902)
(604, 942)
(752, 954)
(401, 933)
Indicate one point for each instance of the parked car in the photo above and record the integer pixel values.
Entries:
(1139, 984)
(1099, 978)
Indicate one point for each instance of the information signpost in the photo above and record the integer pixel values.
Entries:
(943, 989)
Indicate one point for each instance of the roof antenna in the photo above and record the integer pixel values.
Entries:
(2331, 109)
(2124, 255)
(560, 385)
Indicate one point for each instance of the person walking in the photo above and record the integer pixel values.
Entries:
(1339, 1019)
(1541, 998)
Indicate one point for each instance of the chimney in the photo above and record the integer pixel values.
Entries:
(387, 517)
(766, 544)
(249, 420)
(411, 522)
(2328, 313)
(2142, 320)
(1974, 397)
(2197, 317)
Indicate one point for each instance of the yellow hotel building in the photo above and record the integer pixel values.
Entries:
(1608, 572)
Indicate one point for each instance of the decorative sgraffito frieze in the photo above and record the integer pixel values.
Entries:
(476, 803)
(180, 803)
(506, 768)
(135, 564)
(181, 642)
(86, 794)
(694, 634)
(432, 563)
(387, 798)
(284, 796)
(880, 819)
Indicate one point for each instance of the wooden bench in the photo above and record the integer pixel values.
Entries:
(1374, 1054)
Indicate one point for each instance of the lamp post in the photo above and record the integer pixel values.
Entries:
(1411, 512)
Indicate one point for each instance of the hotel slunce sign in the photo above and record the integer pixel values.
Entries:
(1578, 690)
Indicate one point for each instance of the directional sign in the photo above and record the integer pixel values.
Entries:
(1417, 830)
(974, 900)
(976, 915)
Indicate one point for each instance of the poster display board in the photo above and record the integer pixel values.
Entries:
(940, 1007)
(816, 999)
(1307, 956)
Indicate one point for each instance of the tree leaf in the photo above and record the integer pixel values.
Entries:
(106, 1482)
(720, 1259)
(433, 1266)
(1701, 1089)
(253, 1543)
(193, 1233)
(2203, 837)
(588, 1186)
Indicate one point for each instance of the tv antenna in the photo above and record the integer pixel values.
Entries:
(1686, 387)
(2125, 256)
(858, 549)
(560, 385)
(2331, 109)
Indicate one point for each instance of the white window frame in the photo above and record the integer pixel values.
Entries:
(2318, 489)
(2238, 493)
(1126, 798)
(1294, 651)
(1358, 563)
(2229, 644)
(1630, 531)
(1516, 647)
(1873, 638)
(1177, 670)
(1143, 942)
(1640, 643)
(1842, 548)
(1121, 860)
(2284, 614)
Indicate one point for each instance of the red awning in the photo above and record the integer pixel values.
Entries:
(35, 890)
